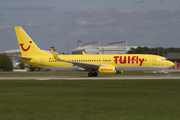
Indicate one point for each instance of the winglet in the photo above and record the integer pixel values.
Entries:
(83, 53)
(54, 54)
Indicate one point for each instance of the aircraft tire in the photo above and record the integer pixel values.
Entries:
(95, 74)
(90, 74)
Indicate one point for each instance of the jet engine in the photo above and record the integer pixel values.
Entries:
(107, 70)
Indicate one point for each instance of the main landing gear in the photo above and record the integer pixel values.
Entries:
(92, 74)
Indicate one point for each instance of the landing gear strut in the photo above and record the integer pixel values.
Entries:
(92, 74)
(157, 74)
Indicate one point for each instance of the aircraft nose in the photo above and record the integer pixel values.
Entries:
(170, 63)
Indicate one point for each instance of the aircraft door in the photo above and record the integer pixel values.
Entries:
(154, 61)
(99, 61)
(42, 61)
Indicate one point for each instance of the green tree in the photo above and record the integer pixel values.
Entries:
(32, 68)
(154, 51)
(139, 50)
(5, 63)
(21, 65)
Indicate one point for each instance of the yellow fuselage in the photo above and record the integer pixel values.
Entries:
(120, 61)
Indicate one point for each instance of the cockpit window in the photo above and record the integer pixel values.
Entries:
(163, 59)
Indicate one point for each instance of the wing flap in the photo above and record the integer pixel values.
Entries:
(81, 64)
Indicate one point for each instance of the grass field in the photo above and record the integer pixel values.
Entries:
(69, 73)
(90, 100)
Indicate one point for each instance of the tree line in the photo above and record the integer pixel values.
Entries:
(155, 51)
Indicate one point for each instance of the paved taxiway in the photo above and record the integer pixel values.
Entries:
(94, 78)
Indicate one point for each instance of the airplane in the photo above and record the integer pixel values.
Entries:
(94, 64)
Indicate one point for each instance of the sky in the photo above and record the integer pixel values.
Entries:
(149, 23)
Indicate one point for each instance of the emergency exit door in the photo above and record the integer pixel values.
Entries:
(42, 61)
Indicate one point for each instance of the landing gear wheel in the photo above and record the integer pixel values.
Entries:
(95, 74)
(90, 74)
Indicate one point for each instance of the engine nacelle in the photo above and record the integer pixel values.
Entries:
(107, 70)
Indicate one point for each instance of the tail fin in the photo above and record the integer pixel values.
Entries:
(26, 44)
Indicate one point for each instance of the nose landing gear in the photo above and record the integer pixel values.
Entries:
(157, 74)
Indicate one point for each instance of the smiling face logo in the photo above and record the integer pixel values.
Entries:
(25, 49)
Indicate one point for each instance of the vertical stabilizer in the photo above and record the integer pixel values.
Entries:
(26, 44)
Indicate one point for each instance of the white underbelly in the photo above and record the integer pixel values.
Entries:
(140, 68)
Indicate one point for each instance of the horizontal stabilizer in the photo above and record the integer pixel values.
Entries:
(25, 58)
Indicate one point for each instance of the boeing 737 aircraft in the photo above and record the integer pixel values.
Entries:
(93, 64)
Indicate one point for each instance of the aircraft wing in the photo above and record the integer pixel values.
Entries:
(79, 64)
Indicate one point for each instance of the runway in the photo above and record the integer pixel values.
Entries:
(94, 78)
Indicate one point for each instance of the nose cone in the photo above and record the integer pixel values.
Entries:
(170, 63)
